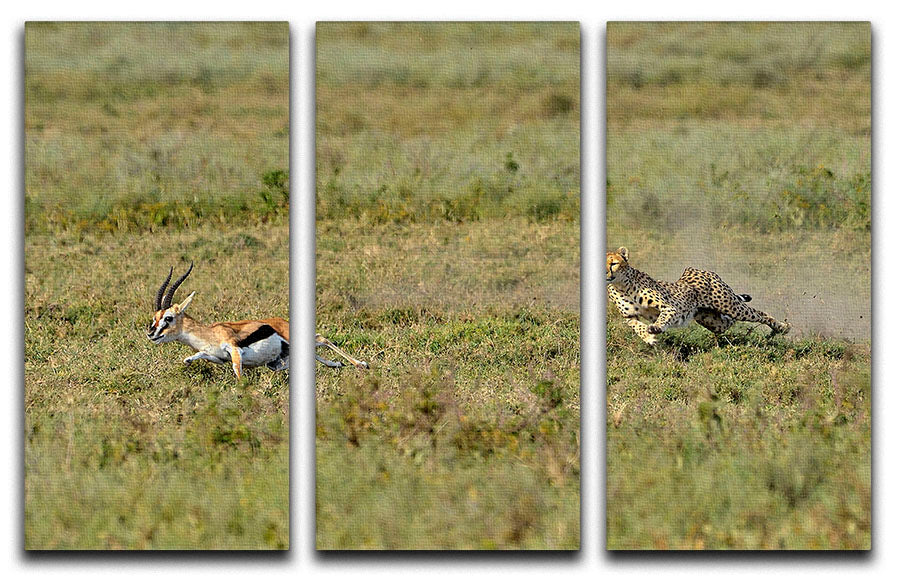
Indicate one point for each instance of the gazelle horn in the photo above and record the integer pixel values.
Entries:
(162, 288)
(167, 301)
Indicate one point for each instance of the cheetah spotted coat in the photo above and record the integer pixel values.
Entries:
(651, 307)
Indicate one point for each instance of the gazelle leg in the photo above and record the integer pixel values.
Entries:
(202, 356)
(323, 341)
(236, 362)
(329, 363)
(279, 364)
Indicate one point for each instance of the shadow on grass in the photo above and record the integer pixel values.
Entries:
(683, 345)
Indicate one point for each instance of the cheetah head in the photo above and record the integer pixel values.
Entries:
(616, 264)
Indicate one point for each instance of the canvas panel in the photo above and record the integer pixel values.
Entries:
(743, 149)
(151, 146)
(447, 259)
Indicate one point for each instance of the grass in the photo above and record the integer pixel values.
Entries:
(471, 411)
(464, 436)
(791, 154)
(137, 125)
(466, 121)
(447, 173)
(754, 444)
(150, 145)
(788, 73)
(743, 148)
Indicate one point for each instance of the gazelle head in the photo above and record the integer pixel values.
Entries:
(167, 321)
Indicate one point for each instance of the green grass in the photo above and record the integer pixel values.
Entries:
(465, 433)
(463, 436)
(782, 156)
(149, 145)
(453, 122)
(447, 176)
(743, 148)
(788, 73)
(754, 444)
(702, 138)
(136, 125)
(723, 175)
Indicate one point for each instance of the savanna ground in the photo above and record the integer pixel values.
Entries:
(744, 149)
(447, 174)
(149, 146)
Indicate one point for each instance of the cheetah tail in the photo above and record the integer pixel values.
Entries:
(744, 297)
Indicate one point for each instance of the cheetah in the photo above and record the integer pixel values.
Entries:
(651, 307)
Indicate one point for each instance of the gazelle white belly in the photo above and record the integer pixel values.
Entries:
(258, 353)
(262, 352)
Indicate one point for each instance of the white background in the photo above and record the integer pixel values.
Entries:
(592, 559)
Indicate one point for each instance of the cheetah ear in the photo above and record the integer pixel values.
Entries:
(623, 251)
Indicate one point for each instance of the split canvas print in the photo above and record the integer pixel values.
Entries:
(156, 285)
(447, 285)
(447, 364)
(739, 280)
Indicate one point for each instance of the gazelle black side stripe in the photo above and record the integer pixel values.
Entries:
(261, 333)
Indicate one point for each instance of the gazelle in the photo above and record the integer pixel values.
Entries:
(322, 341)
(248, 343)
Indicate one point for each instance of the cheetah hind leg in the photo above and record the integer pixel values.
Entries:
(781, 328)
(715, 322)
(745, 313)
